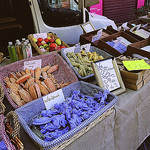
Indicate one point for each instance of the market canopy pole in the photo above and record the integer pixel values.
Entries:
(86, 3)
(83, 10)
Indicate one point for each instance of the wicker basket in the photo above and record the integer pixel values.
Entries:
(15, 132)
(64, 73)
(1, 56)
(2, 106)
(103, 45)
(67, 138)
(135, 48)
(87, 37)
(30, 37)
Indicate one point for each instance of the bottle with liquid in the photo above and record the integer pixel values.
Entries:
(12, 52)
(29, 49)
(21, 48)
(18, 50)
(24, 49)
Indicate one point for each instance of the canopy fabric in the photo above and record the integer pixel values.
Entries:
(87, 3)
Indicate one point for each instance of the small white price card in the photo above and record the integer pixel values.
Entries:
(40, 35)
(86, 47)
(32, 64)
(69, 49)
(97, 36)
(51, 99)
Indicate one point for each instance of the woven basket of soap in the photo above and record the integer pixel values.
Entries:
(9, 132)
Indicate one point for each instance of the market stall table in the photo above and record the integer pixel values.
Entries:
(126, 128)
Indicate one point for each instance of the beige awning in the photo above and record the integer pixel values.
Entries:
(87, 3)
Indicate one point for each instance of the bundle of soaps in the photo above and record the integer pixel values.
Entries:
(67, 115)
(120, 44)
(142, 33)
(3, 145)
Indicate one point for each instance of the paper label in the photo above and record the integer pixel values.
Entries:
(138, 27)
(69, 49)
(32, 64)
(124, 25)
(116, 43)
(88, 28)
(86, 47)
(97, 36)
(55, 97)
(145, 25)
(133, 28)
(108, 74)
(40, 35)
(146, 48)
(136, 65)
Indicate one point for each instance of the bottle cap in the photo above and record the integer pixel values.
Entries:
(10, 43)
(17, 41)
(23, 39)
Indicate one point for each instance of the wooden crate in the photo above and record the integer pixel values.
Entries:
(87, 37)
(30, 37)
(103, 45)
(135, 48)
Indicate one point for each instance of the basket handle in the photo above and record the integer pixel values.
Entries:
(16, 123)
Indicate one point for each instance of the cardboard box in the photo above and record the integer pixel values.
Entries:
(134, 80)
(134, 87)
(103, 45)
(135, 48)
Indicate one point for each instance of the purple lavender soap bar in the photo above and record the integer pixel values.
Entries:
(120, 47)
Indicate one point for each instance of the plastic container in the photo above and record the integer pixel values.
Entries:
(92, 49)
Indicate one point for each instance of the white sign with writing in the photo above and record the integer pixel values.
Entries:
(97, 36)
(108, 74)
(40, 35)
(32, 64)
(51, 99)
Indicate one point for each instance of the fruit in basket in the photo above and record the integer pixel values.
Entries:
(52, 40)
(46, 40)
(62, 46)
(39, 44)
(52, 45)
(43, 42)
(58, 41)
(35, 40)
(40, 39)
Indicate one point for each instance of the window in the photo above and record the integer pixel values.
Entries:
(60, 13)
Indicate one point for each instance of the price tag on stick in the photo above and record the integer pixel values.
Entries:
(55, 97)
(32, 64)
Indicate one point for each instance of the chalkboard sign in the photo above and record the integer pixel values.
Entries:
(108, 75)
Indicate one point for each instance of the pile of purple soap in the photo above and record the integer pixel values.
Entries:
(120, 47)
(69, 114)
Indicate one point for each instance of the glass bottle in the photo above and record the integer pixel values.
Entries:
(24, 49)
(18, 50)
(12, 52)
(29, 50)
